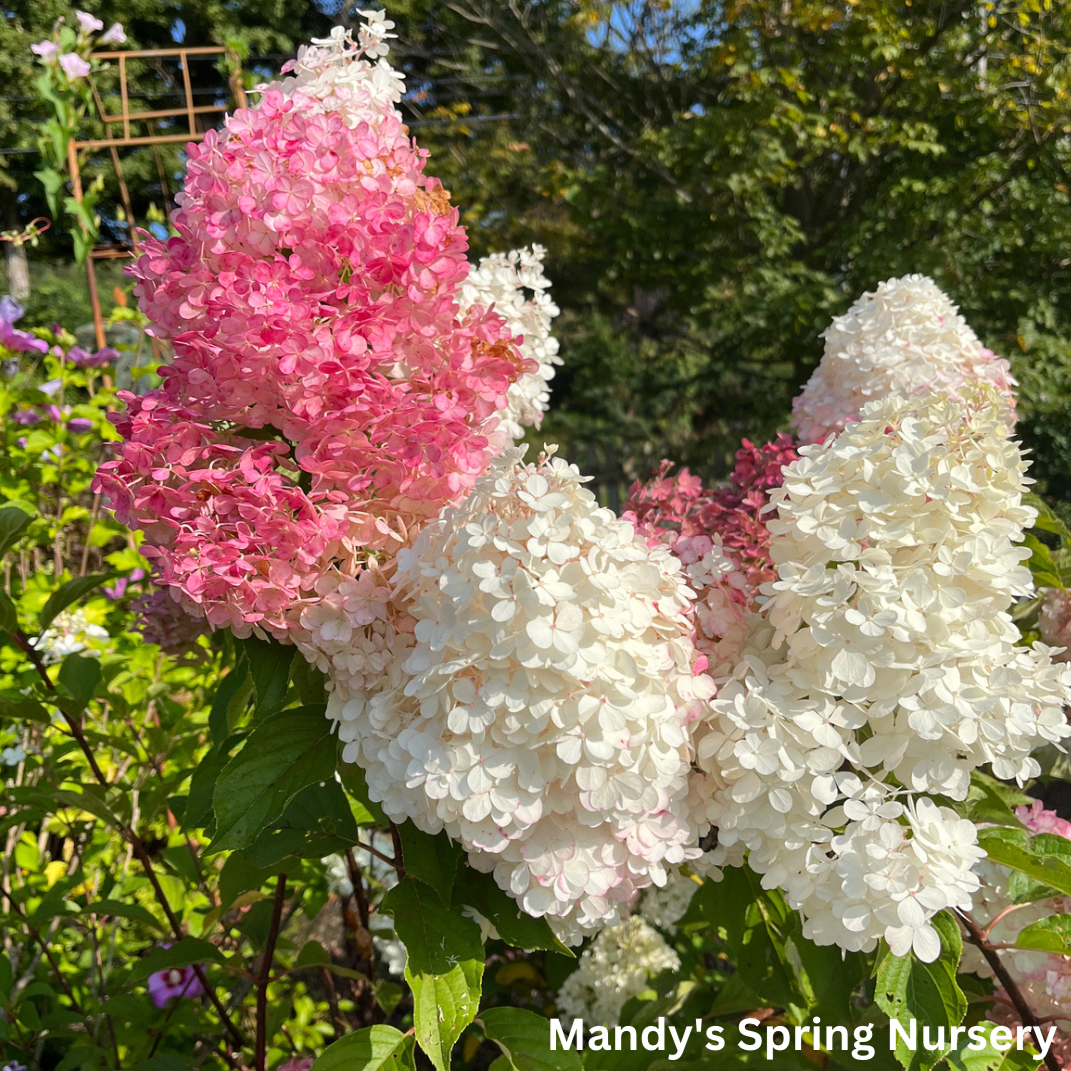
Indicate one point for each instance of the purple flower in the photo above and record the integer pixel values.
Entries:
(20, 341)
(79, 357)
(114, 36)
(74, 66)
(21, 440)
(53, 412)
(10, 309)
(26, 416)
(174, 982)
(88, 23)
(45, 49)
(50, 387)
(79, 425)
(119, 590)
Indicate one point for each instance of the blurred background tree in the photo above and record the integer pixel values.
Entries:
(714, 180)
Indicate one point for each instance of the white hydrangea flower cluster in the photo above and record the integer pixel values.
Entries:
(903, 338)
(664, 907)
(338, 875)
(352, 78)
(502, 280)
(888, 656)
(71, 632)
(543, 713)
(617, 966)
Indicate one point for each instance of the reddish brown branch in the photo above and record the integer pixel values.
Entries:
(1015, 994)
(260, 1057)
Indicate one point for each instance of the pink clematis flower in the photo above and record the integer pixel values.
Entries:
(74, 66)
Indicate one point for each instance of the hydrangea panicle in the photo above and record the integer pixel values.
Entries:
(617, 966)
(328, 393)
(887, 670)
(906, 337)
(501, 281)
(542, 712)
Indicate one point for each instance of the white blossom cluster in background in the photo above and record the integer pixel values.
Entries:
(617, 966)
(515, 285)
(542, 715)
(70, 633)
(664, 907)
(886, 651)
(903, 338)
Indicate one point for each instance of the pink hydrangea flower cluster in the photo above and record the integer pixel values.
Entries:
(721, 539)
(1054, 621)
(327, 395)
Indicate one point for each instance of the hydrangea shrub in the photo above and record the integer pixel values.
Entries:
(406, 743)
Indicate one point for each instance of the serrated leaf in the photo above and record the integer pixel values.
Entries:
(1050, 934)
(444, 966)
(990, 1059)
(13, 522)
(288, 752)
(524, 1039)
(927, 993)
(1012, 848)
(376, 1048)
(67, 594)
(1047, 520)
(516, 928)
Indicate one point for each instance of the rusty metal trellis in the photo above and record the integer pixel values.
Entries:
(188, 111)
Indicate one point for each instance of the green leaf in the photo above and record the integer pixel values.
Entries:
(239, 875)
(1042, 567)
(185, 953)
(387, 995)
(69, 593)
(516, 928)
(1013, 848)
(1047, 520)
(219, 715)
(444, 967)
(308, 680)
(431, 859)
(376, 1048)
(990, 1059)
(745, 918)
(80, 676)
(119, 909)
(203, 783)
(269, 667)
(1050, 934)
(9, 616)
(524, 1038)
(318, 821)
(908, 989)
(286, 753)
(13, 522)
